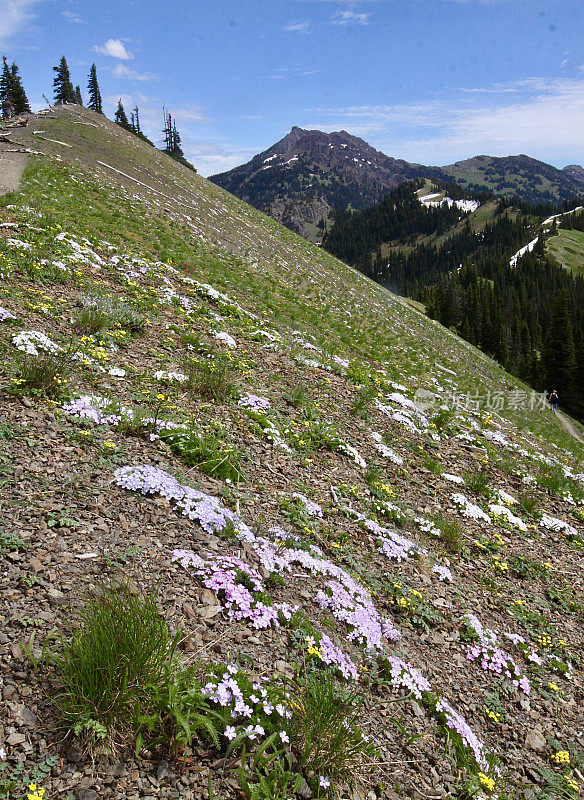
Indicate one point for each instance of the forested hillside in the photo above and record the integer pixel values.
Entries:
(527, 312)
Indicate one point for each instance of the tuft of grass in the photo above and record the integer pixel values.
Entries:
(442, 418)
(479, 482)
(529, 503)
(325, 734)
(101, 313)
(45, 374)
(361, 405)
(450, 532)
(117, 654)
(297, 396)
(91, 319)
(213, 379)
(118, 678)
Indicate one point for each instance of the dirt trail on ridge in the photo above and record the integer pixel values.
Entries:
(567, 426)
(11, 168)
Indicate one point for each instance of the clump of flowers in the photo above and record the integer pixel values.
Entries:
(492, 657)
(468, 509)
(500, 511)
(391, 544)
(554, 524)
(92, 407)
(443, 573)
(386, 452)
(486, 782)
(330, 654)
(221, 336)
(356, 609)
(456, 722)
(561, 757)
(252, 708)
(312, 509)
(5, 314)
(254, 401)
(30, 341)
(405, 676)
(238, 586)
(196, 505)
(170, 377)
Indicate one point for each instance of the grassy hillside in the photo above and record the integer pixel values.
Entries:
(382, 534)
(567, 248)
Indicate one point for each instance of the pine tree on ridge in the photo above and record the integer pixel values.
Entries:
(94, 94)
(62, 86)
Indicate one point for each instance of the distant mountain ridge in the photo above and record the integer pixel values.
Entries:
(308, 174)
(517, 176)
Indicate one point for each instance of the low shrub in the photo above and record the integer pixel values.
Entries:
(450, 532)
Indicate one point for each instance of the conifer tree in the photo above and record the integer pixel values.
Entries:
(120, 116)
(5, 81)
(62, 86)
(559, 351)
(78, 98)
(19, 98)
(11, 88)
(94, 93)
(176, 142)
(172, 139)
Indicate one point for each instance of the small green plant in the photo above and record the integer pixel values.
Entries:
(412, 604)
(268, 776)
(101, 313)
(325, 733)
(529, 503)
(207, 451)
(442, 418)
(297, 396)
(91, 319)
(361, 405)
(432, 464)
(450, 532)
(10, 542)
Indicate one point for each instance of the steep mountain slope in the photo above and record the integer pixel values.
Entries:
(314, 476)
(516, 176)
(576, 172)
(307, 174)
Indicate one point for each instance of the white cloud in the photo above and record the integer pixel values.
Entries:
(545, 120)
(350, 18)
(210, 158)
(122, 71)
(114, 48)
(188, 114)
(13, 15)
(70, 16)
(298, 27)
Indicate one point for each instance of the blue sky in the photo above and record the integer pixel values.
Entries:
(431, 81)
